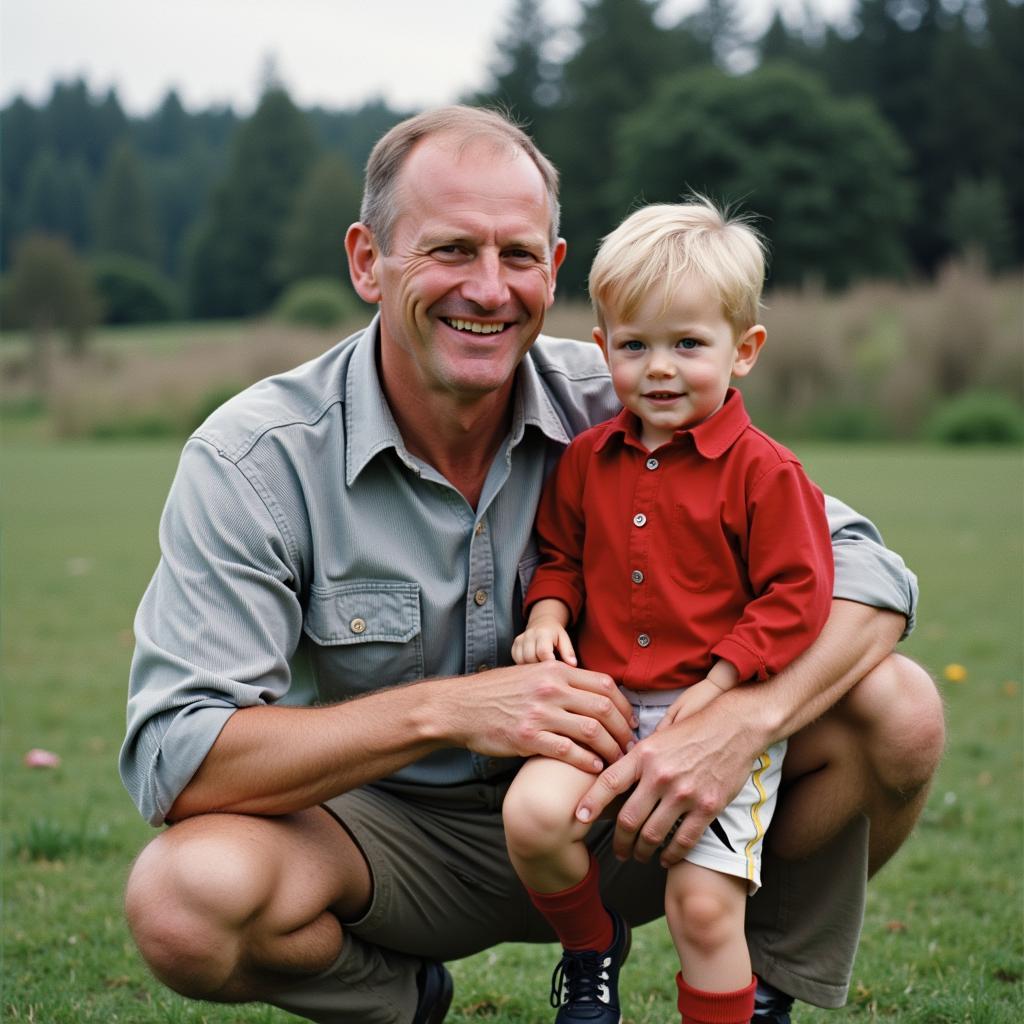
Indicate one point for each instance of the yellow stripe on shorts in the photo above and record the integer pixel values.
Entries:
(764, 763)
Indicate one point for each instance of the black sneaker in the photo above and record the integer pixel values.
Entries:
(436, 988)
(585, 985)
(771, 1006)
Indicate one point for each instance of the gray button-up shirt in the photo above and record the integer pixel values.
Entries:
(307, 557)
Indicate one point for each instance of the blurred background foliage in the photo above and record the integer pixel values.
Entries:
(882, 159)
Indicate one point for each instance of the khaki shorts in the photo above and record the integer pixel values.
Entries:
(443, 886)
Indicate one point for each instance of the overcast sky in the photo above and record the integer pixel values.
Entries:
(335, 53)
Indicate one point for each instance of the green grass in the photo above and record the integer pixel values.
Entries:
(943, 936)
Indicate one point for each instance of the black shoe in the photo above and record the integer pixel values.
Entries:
(436, 988)
(770, 1005)
(585, 985)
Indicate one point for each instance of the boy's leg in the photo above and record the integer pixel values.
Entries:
(546, 844)
(705, 911)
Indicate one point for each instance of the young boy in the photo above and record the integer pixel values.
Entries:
(688, 553)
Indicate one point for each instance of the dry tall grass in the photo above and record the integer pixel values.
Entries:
(873, 361)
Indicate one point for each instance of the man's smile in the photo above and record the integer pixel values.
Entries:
(474, 326)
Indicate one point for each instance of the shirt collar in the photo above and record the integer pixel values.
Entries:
(712, 438)
(370, 427)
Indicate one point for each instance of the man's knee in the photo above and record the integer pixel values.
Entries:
(897, 714)
(189, 894)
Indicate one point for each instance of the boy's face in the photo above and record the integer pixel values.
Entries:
(671, 364)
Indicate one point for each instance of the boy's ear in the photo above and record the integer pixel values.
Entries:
(747, 349)
(361, 249)
(598, 336)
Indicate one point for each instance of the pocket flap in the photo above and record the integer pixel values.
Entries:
(363, 611)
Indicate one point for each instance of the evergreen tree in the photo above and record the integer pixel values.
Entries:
(56, 198)
(826, 176)
(621, 55)
(313, 244)
(523, 78)
(125, 219)
(233, 269)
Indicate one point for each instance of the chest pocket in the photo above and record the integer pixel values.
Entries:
(699, 554)
(366, 634)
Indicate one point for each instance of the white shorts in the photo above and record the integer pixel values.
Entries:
(732, 843)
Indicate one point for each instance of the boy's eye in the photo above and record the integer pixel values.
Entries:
(633, 346)
(688, 343)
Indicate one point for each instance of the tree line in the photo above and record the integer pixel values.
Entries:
(876, 149)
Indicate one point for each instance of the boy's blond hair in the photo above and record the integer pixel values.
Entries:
(653, 248)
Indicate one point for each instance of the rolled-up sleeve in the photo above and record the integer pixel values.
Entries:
(215, 630)
(865, 569)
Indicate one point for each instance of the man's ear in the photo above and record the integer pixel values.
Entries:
(557, 259)
(363, 254)
(747, 349)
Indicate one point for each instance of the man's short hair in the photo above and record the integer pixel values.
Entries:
(463, 126)
(653, 248)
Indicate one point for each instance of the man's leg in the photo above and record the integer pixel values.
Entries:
(856, 781)
(235, 908)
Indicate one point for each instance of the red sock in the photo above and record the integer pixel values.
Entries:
(577, 914)
(699, 1007)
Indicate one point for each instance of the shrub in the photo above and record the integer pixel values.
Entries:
(133, 292)
(316, 302)
(977, 417)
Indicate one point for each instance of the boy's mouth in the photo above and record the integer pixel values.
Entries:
(474, 326)
(662, 395)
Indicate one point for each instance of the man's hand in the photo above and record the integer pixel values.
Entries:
(547, 708)
(691, 770)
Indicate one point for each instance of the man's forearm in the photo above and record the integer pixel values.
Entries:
(274, 759)
(855, 639)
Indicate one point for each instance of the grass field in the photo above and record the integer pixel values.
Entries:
(943, 936)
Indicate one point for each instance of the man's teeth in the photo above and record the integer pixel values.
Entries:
(476, 328)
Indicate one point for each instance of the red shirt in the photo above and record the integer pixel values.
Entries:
(714, 546)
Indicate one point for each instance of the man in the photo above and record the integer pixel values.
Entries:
(364, 522)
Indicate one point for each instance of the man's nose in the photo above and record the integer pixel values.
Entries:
(485, 283)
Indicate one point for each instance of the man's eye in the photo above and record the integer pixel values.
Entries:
(521, 255)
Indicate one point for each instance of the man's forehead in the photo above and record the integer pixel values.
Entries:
(445, 182)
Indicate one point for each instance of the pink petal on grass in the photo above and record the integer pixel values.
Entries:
(37, 758)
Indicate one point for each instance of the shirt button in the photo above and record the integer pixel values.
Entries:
(652, 463)
(643, 640)
(480, 597)
(639, 519)
(636, 576)
(357, 625)
(483, 667)
(479, 528)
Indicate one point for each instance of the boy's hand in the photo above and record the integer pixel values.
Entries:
(722, 677)
(542, 640)
(689, 703)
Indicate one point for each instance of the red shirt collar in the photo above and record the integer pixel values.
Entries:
(712, 438)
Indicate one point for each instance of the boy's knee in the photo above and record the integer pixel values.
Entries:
(898, 715)
(538, 823)
(702, 919)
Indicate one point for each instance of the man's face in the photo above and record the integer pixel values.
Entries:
(470, 272)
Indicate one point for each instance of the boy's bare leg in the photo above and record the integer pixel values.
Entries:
(233, 908)
(545, 840)
(705, 911)
(874, 753)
